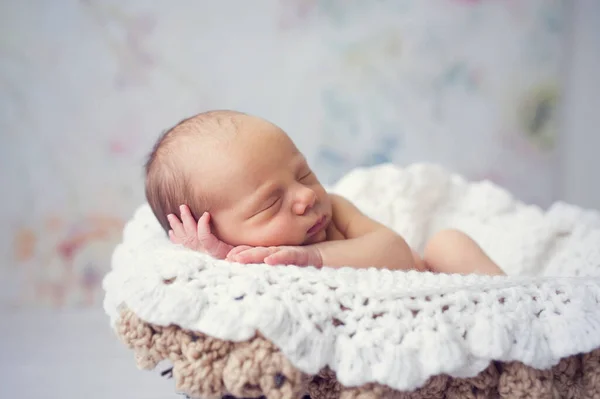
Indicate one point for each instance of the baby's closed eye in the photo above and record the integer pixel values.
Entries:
(306, 176)
(274, 202)
(270, 206)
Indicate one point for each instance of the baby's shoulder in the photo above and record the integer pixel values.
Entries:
(340, 205)
(342, 212)
(349, 220)
(334, 231)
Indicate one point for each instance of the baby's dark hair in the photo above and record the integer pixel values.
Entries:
(167, 186)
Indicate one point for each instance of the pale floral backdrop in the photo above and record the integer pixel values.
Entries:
(86, 87)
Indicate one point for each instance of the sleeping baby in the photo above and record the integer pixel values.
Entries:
(236, 187)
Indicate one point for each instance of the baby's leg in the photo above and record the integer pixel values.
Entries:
(451, 251)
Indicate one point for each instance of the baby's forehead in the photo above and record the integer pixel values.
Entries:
(234, 174)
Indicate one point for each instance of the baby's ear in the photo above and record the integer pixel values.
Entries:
(197, 212)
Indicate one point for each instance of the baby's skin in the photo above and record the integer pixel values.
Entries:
(263, 204)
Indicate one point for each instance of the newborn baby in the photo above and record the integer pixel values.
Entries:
(243, 192)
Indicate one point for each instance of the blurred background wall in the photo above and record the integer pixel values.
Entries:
(501, 90)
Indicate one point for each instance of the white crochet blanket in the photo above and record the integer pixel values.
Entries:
(391, 327)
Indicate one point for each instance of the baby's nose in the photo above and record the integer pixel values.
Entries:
(304, 201)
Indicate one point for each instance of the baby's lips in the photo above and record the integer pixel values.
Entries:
(317, 226)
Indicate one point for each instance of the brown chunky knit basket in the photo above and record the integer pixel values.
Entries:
(205, 367)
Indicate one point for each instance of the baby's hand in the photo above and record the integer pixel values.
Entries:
(196, 236)
(300, 256)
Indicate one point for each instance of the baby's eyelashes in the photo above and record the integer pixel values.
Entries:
(306, 175)
(269, 206)
(273, 203)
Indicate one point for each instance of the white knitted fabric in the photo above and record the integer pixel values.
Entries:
(391, 327)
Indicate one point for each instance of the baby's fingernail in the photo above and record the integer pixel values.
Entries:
(181, 208)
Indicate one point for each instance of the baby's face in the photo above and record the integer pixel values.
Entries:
(262, 191)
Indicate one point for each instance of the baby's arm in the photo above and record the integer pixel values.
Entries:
(368, 243)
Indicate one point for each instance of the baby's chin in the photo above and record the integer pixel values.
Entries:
(295, 240)
(317, 238)
(278, 242)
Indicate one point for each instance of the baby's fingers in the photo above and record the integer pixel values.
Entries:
(189, 223)
(254, 255)
(299, 256)
(204, 225)
(283, 257)
(205, 236)
(176, 226)
(237, 250)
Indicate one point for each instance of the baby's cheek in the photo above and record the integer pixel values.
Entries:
(283, 232)
(230, 235)
(322, 236)
(234, 233)
(276, 232)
